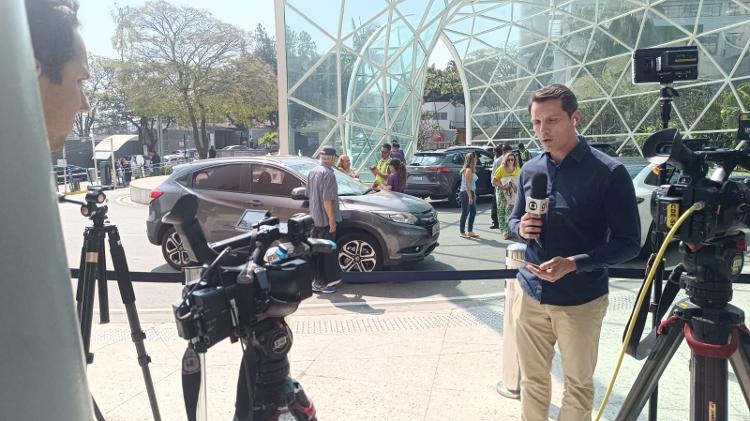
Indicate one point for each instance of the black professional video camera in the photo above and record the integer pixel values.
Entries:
(228, 301)
(248, 302)
(725, 210)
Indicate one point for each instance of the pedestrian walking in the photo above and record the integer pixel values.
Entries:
(323, 193)
(467, 195)
(505, 181)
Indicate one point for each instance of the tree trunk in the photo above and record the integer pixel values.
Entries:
(193, 123)
(203, 149)
(146, 133)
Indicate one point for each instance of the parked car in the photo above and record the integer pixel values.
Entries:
(607, 148)
(378, 228)
(645, 181)
(74, 172)
(437, 173)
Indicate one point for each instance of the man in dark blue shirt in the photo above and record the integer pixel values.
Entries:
(592, 222)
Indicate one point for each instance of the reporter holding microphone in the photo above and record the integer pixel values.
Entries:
(576, 211)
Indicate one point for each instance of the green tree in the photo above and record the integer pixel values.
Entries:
(444, 85)
(269, 139)
(264, 47)
(97, 88)
(244, 93)
(181, 48)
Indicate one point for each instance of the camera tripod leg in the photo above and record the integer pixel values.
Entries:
(664, 349)
(97, 412)
(740, 361)
(128, 299)
(93, 242)
(102, 286)
(302, 407)
(708, 391)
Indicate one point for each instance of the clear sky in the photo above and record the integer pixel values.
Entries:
(97, 26)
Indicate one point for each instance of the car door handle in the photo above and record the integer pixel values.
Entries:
(256, 203)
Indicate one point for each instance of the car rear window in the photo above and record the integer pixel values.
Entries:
(427, 159)
(225, 177)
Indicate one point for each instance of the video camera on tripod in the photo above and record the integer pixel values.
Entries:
(247, 302)
(707, 213)
(712, 244)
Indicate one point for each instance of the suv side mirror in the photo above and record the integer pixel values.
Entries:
(299, 193)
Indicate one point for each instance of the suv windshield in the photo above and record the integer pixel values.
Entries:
(347, 185)
(427, 159)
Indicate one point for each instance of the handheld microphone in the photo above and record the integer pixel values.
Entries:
(538, 203)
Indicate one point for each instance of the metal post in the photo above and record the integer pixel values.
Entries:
(113, 171)
(93, 158)
(285, 141)
(43, 370)
(65, 172)
(161, 144)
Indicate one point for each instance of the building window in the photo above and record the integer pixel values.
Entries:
(710, 42)
(735, 9)
(711, 9)
(735, 39)
(439, 116)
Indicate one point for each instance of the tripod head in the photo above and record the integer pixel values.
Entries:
(92, 206)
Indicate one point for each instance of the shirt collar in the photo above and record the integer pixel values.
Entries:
(578, 152)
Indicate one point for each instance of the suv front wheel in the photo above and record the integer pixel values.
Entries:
(359, 252)
(172, 250)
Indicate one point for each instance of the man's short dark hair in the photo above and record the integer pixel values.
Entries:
(53, 25)
(395, 144)
(507, 148)
(556, 91)
(498, 150)
(387, 146)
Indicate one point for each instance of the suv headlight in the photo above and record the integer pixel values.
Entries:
(403, 217)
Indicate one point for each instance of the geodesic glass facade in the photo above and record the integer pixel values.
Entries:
(355, 69)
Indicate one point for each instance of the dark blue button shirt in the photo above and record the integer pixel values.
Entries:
(592, 217)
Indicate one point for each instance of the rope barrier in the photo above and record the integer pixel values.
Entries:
(397, 276)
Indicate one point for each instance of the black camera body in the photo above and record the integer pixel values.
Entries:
(726, 203)
(234, 300)
(712, 244)
(204, 314)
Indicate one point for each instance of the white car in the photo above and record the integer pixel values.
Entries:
(645, 181)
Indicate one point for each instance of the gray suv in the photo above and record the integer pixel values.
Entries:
(437, 173)
(378, 228)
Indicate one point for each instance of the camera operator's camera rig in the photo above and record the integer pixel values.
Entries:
(249, 303)
(93, 271)
(712, 248)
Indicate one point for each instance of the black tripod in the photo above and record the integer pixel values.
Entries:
(713, 328)
(94, 267)
(264, 386)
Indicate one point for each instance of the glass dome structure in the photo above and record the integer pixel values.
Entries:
(352, 72)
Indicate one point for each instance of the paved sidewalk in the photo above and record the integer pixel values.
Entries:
(422, 362)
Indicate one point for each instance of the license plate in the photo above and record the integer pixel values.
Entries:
(417, 178)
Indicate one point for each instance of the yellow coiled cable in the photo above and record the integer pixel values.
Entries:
(644, 293)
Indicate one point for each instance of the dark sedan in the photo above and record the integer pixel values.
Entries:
(378, 228)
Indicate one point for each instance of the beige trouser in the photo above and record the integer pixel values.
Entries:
(576, 330)
(511, 369)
